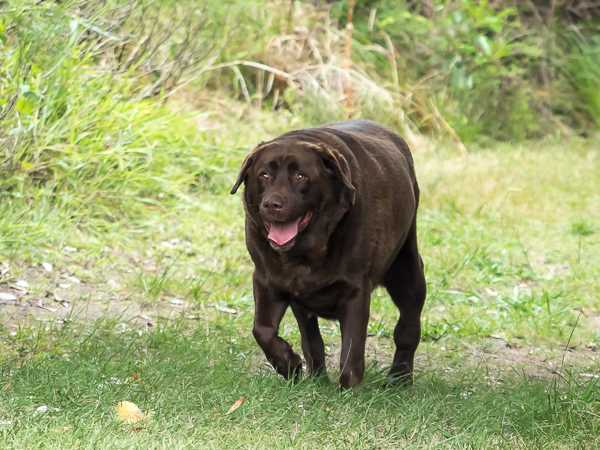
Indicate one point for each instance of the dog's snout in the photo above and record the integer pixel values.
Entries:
(273, 203)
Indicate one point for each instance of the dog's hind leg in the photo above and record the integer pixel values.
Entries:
(405, 282)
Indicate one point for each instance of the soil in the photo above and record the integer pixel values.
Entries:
(44, 296)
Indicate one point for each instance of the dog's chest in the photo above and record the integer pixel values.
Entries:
(296, 279)
(318, 291)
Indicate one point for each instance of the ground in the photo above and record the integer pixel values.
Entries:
(158, 311)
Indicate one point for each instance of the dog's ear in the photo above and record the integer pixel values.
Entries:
(243, 171)
(248, 161)
(338, 165)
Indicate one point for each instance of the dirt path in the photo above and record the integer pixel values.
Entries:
(45, 296)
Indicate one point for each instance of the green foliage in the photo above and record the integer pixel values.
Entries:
(88, 132)
(78, 132)
(135, 178)
(583, 73)
(489, 70)
(582, 228)
(473, 68)
(188, 378)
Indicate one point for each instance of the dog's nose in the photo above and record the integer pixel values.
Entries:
(274, 203)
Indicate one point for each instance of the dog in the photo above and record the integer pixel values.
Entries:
(330, 215)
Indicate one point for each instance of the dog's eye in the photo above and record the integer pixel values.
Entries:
(265, 176)
(301, 177)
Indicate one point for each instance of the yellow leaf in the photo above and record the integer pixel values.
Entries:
(239, 402)
(128, 412)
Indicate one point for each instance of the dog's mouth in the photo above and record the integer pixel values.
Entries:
(282, 235)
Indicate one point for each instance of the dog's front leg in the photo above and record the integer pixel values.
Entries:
(312, 341)
(353, 323)
(268, 313)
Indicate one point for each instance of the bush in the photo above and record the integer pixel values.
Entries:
(77, 128)
(583, 73)
(488, 69)
(83, 84)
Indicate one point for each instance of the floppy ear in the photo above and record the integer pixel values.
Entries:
(338, 164)
(248, 161)
(242, 175)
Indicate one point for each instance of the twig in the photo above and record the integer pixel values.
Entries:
(242, 81)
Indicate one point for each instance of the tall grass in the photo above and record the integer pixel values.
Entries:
(88, 123)
(77, 132)
(583, 72)
(486, 69)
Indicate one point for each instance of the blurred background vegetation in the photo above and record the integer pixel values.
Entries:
(96, 95)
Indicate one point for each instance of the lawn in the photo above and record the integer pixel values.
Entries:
(156, 308)
(123, 270)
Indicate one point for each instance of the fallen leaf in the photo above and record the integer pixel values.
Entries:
(128, 412)
(239, 402)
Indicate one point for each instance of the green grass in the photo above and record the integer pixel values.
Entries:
(511, 246)
(130, 197)
(188, 378)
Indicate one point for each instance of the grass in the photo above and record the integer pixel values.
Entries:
(511, 253)
(114, 209)
(188, 379)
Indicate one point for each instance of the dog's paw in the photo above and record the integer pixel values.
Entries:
(293, 369)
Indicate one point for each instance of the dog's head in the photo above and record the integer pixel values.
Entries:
(294, 189)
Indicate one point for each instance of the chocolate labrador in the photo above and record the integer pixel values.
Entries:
(330, 215)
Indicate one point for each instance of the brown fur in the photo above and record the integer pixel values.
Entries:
(358, 182)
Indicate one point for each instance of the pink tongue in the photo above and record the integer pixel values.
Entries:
(282, 233)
